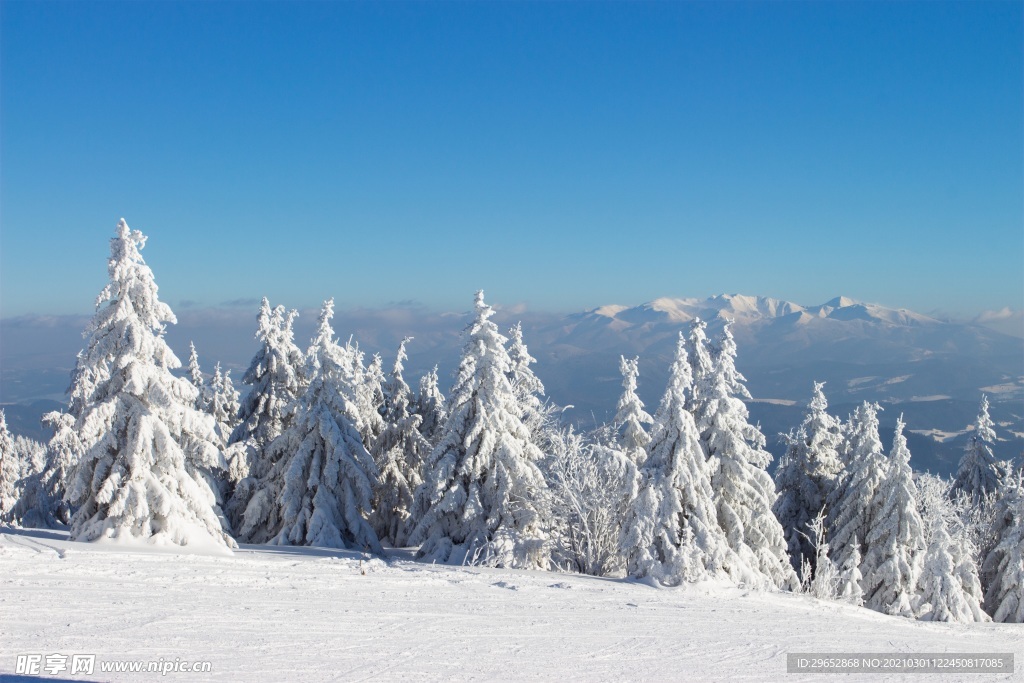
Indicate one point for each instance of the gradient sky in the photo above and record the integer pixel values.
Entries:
(564, 155)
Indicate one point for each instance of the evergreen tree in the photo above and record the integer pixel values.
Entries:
(671, 532)
(979, 472)
(485, 495)
(430, 406)
(528, 389)
(850, 578)
(195, 375)
(149, 457)
(275, 375)
(399, 453)
(223, 403)
(1004, 564)
(895, 540)
(327, 475)
(702, 366)
(368, 392)
(9, 471)
(948, 586)
(631, 417)
(806, 475)
(852, 506)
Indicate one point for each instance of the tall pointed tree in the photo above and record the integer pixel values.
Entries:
(1004, 565)
(805, 476)
(852, 506)
(979, 472)
(484, 495)
(527, 388)
(276, 377)
(671, 533)
(744, 491)
(895, 540)
(430, 405)
(631, 417)
(948, 588)
(148, 455)
(195, 375)
(328, 475)
(8, 472)
(399, 453)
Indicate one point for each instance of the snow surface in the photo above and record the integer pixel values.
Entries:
(282, 613)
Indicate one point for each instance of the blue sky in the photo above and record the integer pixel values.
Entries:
(561, 155)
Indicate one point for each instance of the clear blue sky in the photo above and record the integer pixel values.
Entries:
(564, 155)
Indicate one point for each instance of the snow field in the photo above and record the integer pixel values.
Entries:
(284, 613)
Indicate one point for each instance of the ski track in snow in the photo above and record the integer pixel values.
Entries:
(272, 614)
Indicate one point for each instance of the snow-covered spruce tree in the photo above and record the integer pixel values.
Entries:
(46, 507)
(537, 415)
(948, 588)
(979, 472)
(702, 365)
(368, 391)
(592, 485)
(9, 471)
(744, 491)
(275, 375)
(895, 540)
(486, 498)
(223, 404)
(431, 407)
(852, 506)
(399, 453)
(149, 456)
(671, 532)
(806, 474)
(1004, 565)
(850, 578)
(195, 375)
(328, 476)
(630, 416)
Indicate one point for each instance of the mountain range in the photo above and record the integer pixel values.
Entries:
(932, 371)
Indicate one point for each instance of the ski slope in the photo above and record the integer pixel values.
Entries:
(275, 614)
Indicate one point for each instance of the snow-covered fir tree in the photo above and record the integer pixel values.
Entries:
(368, 391)
(671, 532)
(327, 475)
(195, 375)
(806, 474)
(399, 453)
(223, 402)
(9, 471)
(275, 376)
(42, 487)
(702, 366)
(850, 579)
(537, 415)
(744, 491)
(852, 505)
(1003, 567)
(948, 588)
(485, 496)
(630, 416)
(430, 406)
(592, 485)
(979, 472)
(895, 540)
(149, 456)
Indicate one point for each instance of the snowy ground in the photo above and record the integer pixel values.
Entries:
(274, 614)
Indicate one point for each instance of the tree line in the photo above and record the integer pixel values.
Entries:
(327, 448)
